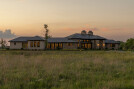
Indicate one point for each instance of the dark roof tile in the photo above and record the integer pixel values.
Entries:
(112, 42)
(24, 39)
(62, 40)
(86, 36)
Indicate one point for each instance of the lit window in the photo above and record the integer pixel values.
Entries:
(60, 45)
(89, 45)
(103, 44)
(86, 45)
(38, 44)
(31, 44)
(111, 45)
(34, 44)
(48, 46)
(98, 44)
(56, 45)
(69, 44)
(78, 45)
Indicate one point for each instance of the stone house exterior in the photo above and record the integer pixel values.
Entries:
(81, 40)
(30, 43)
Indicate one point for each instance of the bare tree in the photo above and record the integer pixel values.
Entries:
(46, 35)
(3, 43)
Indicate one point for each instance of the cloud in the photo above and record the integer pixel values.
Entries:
(7, 34)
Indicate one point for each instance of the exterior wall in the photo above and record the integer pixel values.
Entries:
(112, 48)
(96, 44)
(104, 44)
(117, 46)
(73, 46)
(17, 46)
(93, 44)
(42, 45)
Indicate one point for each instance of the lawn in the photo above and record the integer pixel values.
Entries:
(66, 70)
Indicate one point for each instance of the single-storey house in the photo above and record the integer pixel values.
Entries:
(81, 40)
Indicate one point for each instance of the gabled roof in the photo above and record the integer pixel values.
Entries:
(24, 39)
(60, 40)
(85, 36)
(112, 42)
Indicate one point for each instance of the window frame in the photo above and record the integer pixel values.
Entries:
(38, 44)
(31, 44)
(14, 43)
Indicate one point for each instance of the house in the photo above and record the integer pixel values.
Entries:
(27, 43)
(81, 40)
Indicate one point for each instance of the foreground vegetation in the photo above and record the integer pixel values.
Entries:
(66, 70)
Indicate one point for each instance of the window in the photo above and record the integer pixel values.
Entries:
(98, 44)
(60, 45)
(56, 45)
(89, 46)
(31, 44)
(69, 44)
(14, 43)
(78, 45)
(103, 45)
(35, 44)
(112, 45)
(38, 44)
(52, 45)
(48, 45)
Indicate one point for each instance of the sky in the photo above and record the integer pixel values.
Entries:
(113, 19)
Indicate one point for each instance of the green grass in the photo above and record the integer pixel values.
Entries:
(66, 70)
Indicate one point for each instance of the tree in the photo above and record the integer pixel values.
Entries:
(3, 43)
(46, 35)
(129, 45)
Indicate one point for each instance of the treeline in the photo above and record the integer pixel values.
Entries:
(128, 45)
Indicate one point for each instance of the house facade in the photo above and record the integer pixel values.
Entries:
(30, 43)
(81, 40)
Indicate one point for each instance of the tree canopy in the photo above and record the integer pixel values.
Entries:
(128, 45)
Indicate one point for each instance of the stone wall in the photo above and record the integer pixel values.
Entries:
(73, 46)
(42, 45)
(15, 45)
(108, 46)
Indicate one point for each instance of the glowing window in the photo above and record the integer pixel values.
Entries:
(78, 45)
(48, 46)
(69, 44)
(98, 44)
(34, 44)
(31, 44)
(38, 44)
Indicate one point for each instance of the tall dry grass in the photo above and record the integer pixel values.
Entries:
(66, 70)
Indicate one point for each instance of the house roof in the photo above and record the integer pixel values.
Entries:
(112, 42)
(61, 40)
(85, 36)
(24, 39)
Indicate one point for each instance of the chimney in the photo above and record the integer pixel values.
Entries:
(83, 32)
(90, 33)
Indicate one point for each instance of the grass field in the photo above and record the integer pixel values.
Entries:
(66, 70)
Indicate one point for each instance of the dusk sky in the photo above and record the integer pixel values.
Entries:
(113, 19)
